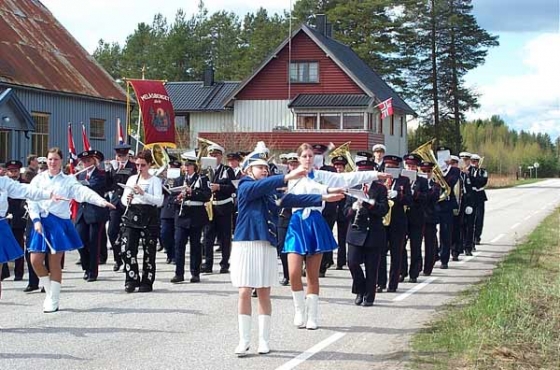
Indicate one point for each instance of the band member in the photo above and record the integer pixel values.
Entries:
(399, 192)
(456, 233)
(446, 207)
(283, 158)
(466, 205)
(90, 219)
(118, 171)
(18, 221)
(190, 217)
(283, 222)
(142, 196)
(416, 220)
(480, 179)
(233, 162)
(309, 235)
(378, 154)
(366, 237)
(167, 215)
(431, 217)
(54, 232)
(222, 210)
(253, 261)
(342, 222)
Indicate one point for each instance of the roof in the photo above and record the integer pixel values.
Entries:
(330, 100)
(37, 51)
(195, 97)
(361, 73)
(9, 96)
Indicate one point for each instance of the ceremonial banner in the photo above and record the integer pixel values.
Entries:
(156, 111)
(386, 108)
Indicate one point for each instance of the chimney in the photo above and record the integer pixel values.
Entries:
(321, 23)
(208, 76)
(328, 31)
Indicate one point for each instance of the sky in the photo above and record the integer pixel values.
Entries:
(520, 80)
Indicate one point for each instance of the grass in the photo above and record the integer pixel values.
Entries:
(510, 321)
(496, 181)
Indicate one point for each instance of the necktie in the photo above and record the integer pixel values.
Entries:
(87, 176)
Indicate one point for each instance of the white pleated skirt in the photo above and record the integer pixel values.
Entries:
(253, 264)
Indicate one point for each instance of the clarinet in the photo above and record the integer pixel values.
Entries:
(130, 200)
(184, 192)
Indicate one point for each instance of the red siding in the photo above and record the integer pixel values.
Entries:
(271, 83)
(289, 141)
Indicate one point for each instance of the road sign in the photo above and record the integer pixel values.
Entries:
(536, 164)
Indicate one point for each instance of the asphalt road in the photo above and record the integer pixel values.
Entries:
(194, 326)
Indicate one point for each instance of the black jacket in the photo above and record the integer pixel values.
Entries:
(89, 213)
(193, 215)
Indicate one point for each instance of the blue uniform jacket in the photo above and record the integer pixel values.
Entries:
(258, 212)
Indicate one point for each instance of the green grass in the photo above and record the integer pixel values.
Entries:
(509, 321)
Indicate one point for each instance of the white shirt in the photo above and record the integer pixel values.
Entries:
(13, 189)
(326, 179)
(153, 192)
(65, 186)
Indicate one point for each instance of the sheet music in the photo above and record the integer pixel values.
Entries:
(395, 172)
(410, 174)
(358, 194)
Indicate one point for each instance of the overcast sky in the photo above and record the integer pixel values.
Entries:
(520, 80)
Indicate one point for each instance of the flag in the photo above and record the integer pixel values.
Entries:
(120, 132)
(73, 158)
(386, 108)
(156, 111)
(87, 146)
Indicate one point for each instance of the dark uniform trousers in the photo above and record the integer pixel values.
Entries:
(366, 241)
(142, 221)
(329, 214)
(445, 216)
(167, 236)
(396, 234)
(89, 224)
(416, 220)
(220, 227)
(115, 219)
(282, 230)
(478, 219)
(191, 235)
(18, 263)
(430, 248)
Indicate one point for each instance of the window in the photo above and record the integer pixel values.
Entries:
(379, 123)
(304, 72)
(5, 145)
(40, 138)
(329, 121)
(370, 122)
(402, 126)
(352, 121)
(97, 129)
(392, 128)
(307, 121)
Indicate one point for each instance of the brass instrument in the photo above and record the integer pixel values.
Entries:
(427, 154)
(160, 157)
(344, 150)
(387, 217)
(203, 145)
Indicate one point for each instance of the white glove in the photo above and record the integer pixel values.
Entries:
(468, 210)
(393, 194)
(357, 205)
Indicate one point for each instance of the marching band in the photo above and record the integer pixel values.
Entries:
(271, 211)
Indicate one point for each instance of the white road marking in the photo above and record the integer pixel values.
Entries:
(528, 217)
(544, 207)
(416, 288)
(310, 352)
(497, 238)
(514, 226)
(468, 258)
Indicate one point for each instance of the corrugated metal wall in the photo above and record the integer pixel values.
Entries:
(64, 109)
(209, 122)
(261, 115)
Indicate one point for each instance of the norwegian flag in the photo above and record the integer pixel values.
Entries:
(386, 108)
(87, 146)
(119, 130)
(73, 159)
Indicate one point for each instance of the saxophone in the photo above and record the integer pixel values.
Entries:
(387, 217)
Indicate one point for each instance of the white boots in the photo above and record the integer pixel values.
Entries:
(245, 334)
(264, 334)
(312, 305)
(299, 306)
(303, 305)
(52, 290)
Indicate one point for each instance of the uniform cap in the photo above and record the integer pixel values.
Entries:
(465, 155)
(365, 165)
(319, 148)
(292, 157)
(14, 164)
(235, 155)
(254, 159)
(340, 160)
(215, 148)
(475, 157)
(42, 160)
(365, 154)
(425, 165)
(454, 158)
(378, 147)
(413, 159)
(91, 153)
(395, 159)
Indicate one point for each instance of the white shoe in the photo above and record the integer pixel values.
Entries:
(299, 306)
(52, 304)
(312, 305)
(264, 334)
(244, 335)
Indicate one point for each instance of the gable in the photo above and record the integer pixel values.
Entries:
(13, 114)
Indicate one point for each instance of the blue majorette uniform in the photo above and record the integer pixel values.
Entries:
(308, 232)
(10, 248)
(58, 228)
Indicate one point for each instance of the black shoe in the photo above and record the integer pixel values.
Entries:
(254, 293)
(426, 273)
(224, 270)
(359, 299)
(145, 288)
(455, 258)
(117, 266)
(380, 289)
(322, 274)
(285, 282)
(474, 247)
(477, 241)
(468, 253)
(339, 268)
(368, 304)
(129, 287)
(18, 278)
(177, 279)
(391, 290)
(169, 261)
(206, 270)
(30, 288)
(78, 262)
(91, 279)
(413, 280)
(219, 249)
(195, 279)
(42, 289)
(103, 261)
(401, 278)
(86, 275)
(444, 266)
(160, 248)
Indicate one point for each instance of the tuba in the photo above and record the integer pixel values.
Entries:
(161, 158)
(425, 151)
(344, 150)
